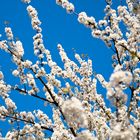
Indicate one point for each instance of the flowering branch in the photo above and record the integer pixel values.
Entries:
(30, 122)
(78, 111)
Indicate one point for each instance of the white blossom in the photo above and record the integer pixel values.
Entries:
(85, 135)
(26, 1)
(10, 104)
(9, 33)
(66, 4)
(15, 72)
(74, 112)
(19, 48)
(76, 108)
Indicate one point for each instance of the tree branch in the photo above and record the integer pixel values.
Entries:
(49, 91)
(34, 95)
(30, 122)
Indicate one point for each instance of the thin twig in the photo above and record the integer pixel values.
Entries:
(19, 119)
(34, 95)
(131, 100)
(117, 53)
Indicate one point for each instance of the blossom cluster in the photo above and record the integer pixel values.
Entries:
(87, 21)
(34, 18)
(74, 113)
(66, 4)
(79, 110)
(119, 81)
(26, 1)
(9, 33)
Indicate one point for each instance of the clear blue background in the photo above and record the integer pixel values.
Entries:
(58, 27)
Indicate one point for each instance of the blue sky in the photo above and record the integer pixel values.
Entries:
(58, 27)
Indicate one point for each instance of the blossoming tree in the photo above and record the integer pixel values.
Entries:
(79, 113)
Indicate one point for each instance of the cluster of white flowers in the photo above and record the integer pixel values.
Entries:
(38, 44)
(35, 21)
(10, 104)
(109, 2)
(87, 21)
(102, 80)
(32, 83)
(3, 45)
(15, 72)
(4, 88)
(26, 1)
(120, 133)
(31, 80)
(43, 118)
(16, 47)
(19, 48)
(59, 129)
(119, 81)
(85, 135)
(109, 31)
(79, 112)
(120, 77)
(3, 110)
(134, 6)
(27, 64)
(68, 64)
(9, 33)
(74, 113)
(28, 132)
(66, 4)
